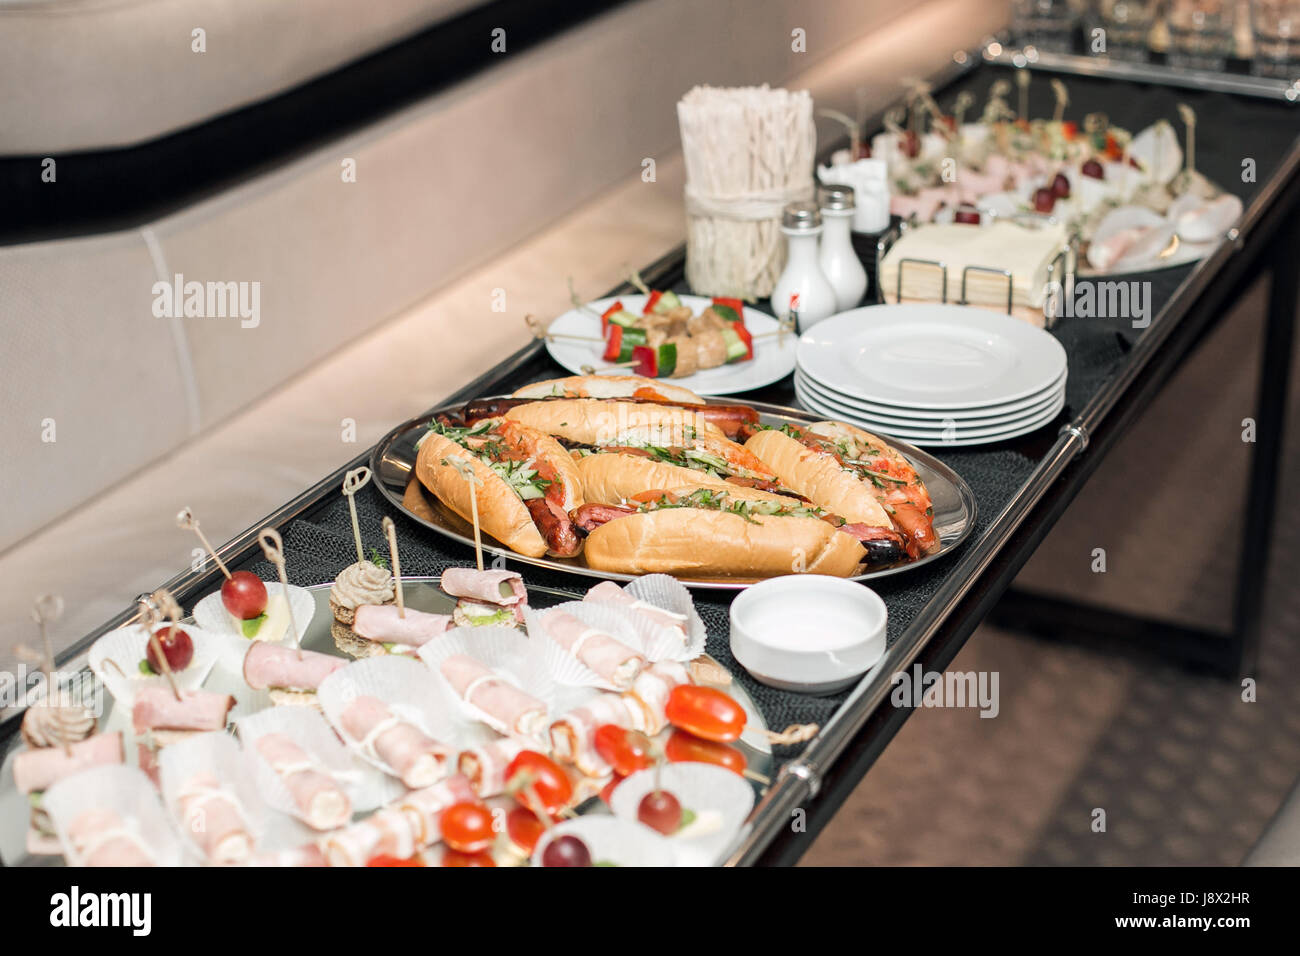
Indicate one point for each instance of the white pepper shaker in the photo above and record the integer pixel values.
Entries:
(803, 289)
(838, 259)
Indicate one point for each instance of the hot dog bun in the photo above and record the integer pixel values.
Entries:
(501, 512)
(819, 478)
(700, 543)
(591, 421)
(613, 478)
(608, 386)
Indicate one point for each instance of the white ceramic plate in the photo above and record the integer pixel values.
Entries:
(931, 356)
(905, 418)
(957, 436)
(773, 357)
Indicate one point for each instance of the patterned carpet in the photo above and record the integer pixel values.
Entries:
(1186, 772)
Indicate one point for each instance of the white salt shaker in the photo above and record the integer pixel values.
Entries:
(803, 289)
(838, 260)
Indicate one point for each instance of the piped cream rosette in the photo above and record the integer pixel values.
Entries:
(112, 816)
(115, 659)
(499, 654)
(718, 799)
(411, 695)
(207, 785)
(364, 785)
(613, 841)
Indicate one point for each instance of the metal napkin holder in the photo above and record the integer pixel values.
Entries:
(1065, 261)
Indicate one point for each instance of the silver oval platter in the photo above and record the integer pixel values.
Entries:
(393, 464)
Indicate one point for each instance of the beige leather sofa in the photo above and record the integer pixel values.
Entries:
(375, 295)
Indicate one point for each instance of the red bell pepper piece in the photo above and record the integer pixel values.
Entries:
(604, 319)
(655, 296)
(748, 338)
(613, 342)
(647, 361)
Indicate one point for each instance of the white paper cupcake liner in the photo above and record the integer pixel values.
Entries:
(128, 793)
(364, 784)
(506, 651)
(409, 690)
(666, 592)
(216, 753)
(212, 615)
(126, 647)
(613, 840)
(634, 630)
(720, 799)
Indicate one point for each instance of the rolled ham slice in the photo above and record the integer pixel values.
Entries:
(485, 765)
(649, 694)
(492, 587)
(156, 708)
(322, 803)
(609, 657)
(423, 808)
(102, 838)
(309, 855)
(607, 592)
(273, 665)
(38, 770)
(507, 708)
(412, 755)
(388, 831)
(214, 819)
(573, 736)
(383, 624)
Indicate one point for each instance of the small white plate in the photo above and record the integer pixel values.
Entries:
(773, 357)
(955, 435)
(904, 418)
(931, 356)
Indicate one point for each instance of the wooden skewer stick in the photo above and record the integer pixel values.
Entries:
(186, 521)
(1022, 81)
(354, 481)
(390, 532)
(1189, 120)
(151, 618)
(593, 370)
(965, 99)
(1062, 100)
(273, 547)
(542, 332)
(466, 471)
(47, 609)
(578, 303)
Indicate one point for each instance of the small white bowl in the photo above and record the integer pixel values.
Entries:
(809, 633)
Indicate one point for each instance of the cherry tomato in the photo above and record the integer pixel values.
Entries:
(687, 748)
(177, 647)
(524, 829)
(660, 810)
(705, 712)
(467, 827)
(456, 858)
(625, 750)
(550, 784)
(244, 595)
(385, 860)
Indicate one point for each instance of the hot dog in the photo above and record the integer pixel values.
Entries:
(704, 532)
(855, 474)
(527, 483)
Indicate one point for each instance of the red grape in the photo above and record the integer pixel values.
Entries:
(177, 647)
(967, 214)
(1044, 200)
(566, 851)
(1093, 169)
(661, 811)
(1060, 186)
(244, 595)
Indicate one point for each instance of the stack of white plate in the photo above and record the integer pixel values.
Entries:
(932, 374)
